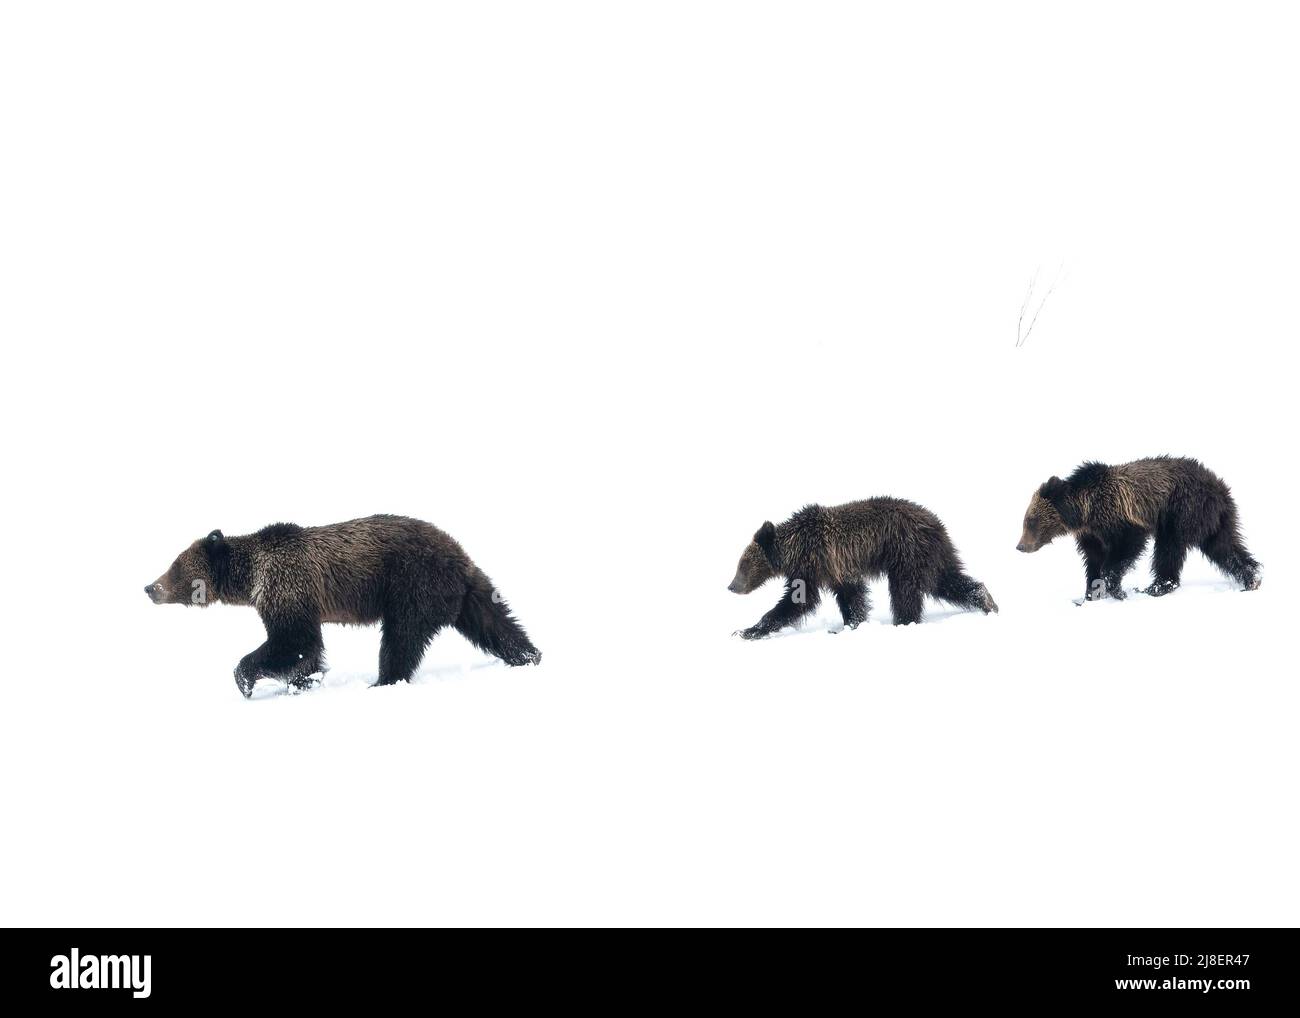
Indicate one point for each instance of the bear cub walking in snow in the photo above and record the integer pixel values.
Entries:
(1112, 511)
(403, 573)
(841, 548)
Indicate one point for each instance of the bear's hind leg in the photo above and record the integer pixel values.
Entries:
(402, 646)
(964, 591)
(487, 622)
(906, 600)
(854, 602)
(1226, 550)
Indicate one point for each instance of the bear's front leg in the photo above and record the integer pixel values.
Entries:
(1094, 554)
(799, 599)
(1166, 562)
(1122, 553)
(290, 654)
(853, 602)
(248, 671)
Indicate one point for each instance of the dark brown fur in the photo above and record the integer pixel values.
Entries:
(841, 548)
(1112, 511)
(404, 573)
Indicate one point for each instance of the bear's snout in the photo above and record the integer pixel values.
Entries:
(155, 592)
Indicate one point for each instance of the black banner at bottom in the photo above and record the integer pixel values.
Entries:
(143, 969)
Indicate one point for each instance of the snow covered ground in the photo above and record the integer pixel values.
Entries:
(597, 295)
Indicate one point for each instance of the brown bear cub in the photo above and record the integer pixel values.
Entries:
(405, 574)
(842, 547)
(1112, 511)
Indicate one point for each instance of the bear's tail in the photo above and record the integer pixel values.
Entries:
(486, 622)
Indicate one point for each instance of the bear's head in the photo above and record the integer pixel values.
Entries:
(196, 575)
(759, 562)
(1047, 515)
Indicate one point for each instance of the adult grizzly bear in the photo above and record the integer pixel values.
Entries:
(1111, 511)
(404, 573)
(843, 547)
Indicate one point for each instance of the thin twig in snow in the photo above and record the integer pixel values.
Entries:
(1022, 340)
(1029, 294)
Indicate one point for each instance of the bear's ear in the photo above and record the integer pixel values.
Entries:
(765, 538)
(217, 552)
(1052, 489)
(1057, 492)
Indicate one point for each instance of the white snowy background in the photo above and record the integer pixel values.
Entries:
(597, 288)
